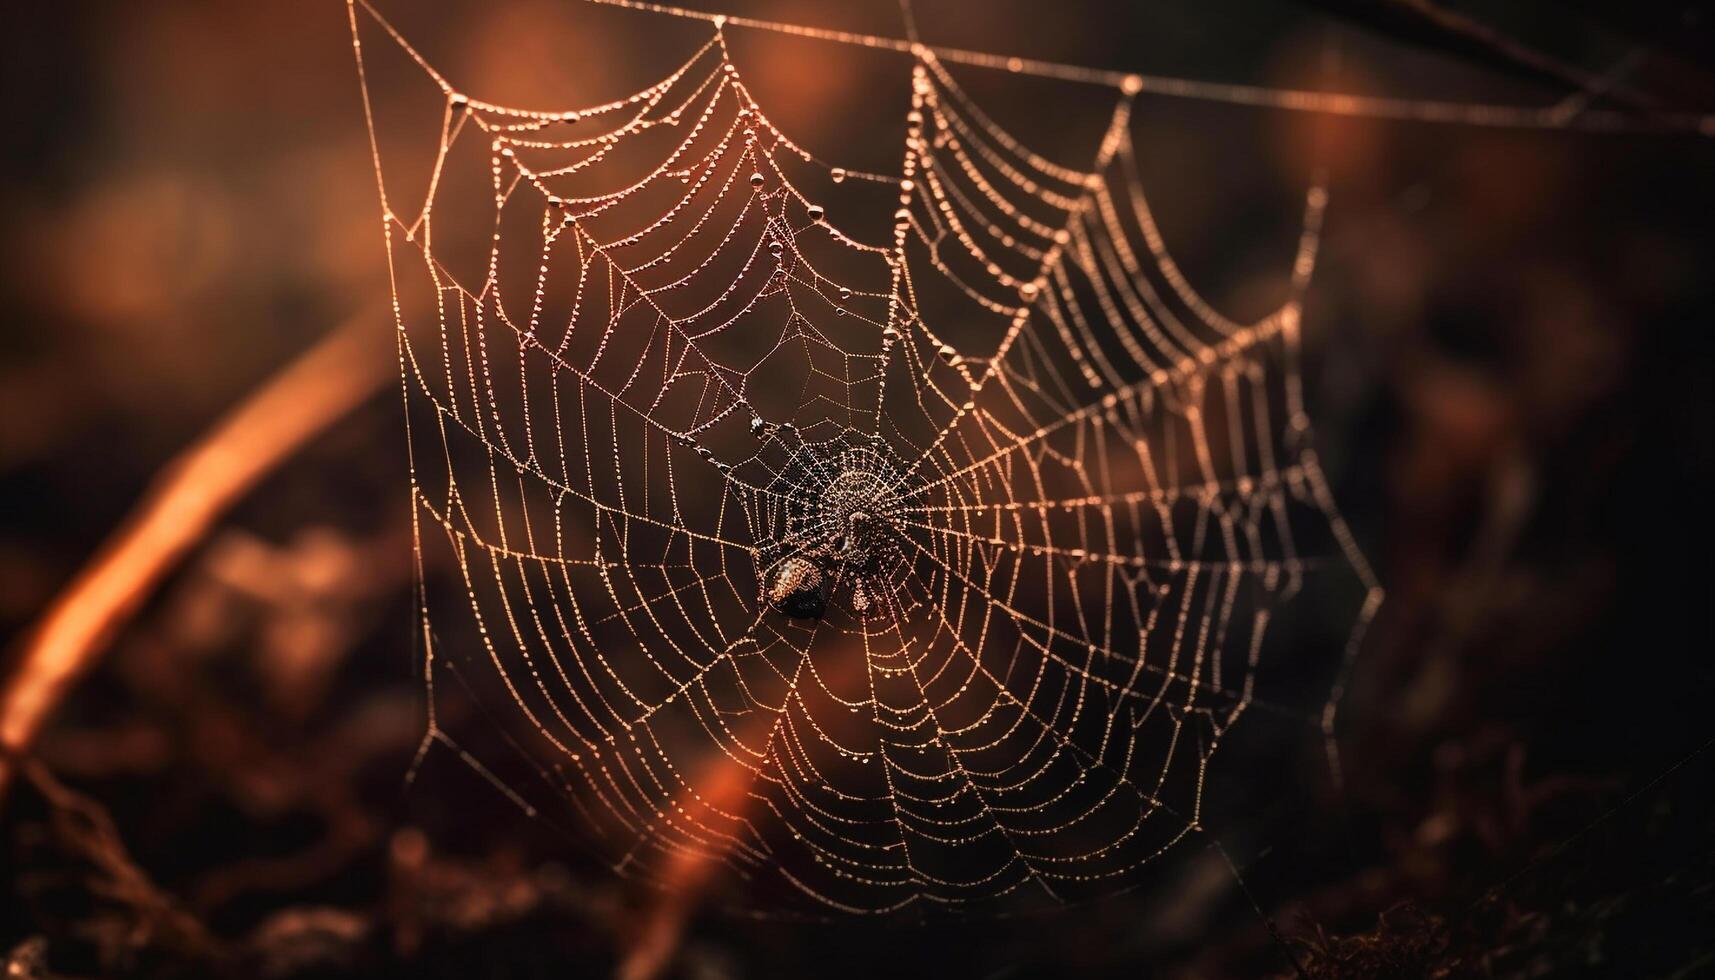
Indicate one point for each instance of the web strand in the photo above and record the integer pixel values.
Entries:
(1566, 114)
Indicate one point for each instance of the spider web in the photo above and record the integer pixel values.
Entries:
(920, 560)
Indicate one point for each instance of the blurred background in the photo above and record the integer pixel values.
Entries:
(1508, 357)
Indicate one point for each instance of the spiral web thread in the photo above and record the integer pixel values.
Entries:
(1041, 500)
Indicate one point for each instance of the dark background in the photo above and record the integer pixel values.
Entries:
(1508, 362)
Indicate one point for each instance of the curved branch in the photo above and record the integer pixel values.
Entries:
(321, 386)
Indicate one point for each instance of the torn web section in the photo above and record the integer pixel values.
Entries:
(1124, 500)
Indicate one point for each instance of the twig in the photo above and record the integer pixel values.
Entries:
(329, 380)
(86, 829)
(1427, 21)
